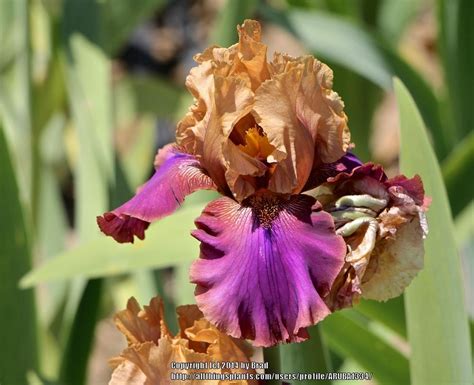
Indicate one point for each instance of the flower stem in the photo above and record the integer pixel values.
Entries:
(272, 357)
(310, 356)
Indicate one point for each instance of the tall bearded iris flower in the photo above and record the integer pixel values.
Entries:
(260, 133)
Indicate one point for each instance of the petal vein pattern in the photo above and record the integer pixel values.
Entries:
(264, 269)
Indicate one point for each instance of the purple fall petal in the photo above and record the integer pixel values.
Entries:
(264, 268)
(321, 173)
(177, 175)
(348, 162)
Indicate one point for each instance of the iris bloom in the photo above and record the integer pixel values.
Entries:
(153, 354)
(383, 223)
(273, 259)
(261, 133)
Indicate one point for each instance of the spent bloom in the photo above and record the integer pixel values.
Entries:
(154, 355)
(262, 133)
(383, 223)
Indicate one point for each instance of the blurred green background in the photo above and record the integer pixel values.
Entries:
(89, 89)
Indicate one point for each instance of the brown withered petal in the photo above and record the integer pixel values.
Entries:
(346, 289)
(395, 262)
(152, 350)
(385, 242)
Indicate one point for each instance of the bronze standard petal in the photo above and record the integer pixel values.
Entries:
(302, 117)
(191, 129)
(294, 107)
(223, 86)
(233, 99)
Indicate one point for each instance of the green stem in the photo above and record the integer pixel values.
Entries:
(272, 357)
(310, 356)
(81, 335)
(322, 362)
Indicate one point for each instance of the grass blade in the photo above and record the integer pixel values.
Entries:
(341, 42)
(390, 313)
(232, 13)
(395, 16)
(77, 351)
(436, 316)
(165, 245)
(456, 36)
(88, 86)
(426, 101)
(350, 339)
(15, 96)
(457, 169)
(18, 354)
(271, 356)
(118, 19)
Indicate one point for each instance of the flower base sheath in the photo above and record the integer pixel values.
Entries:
(261, 133)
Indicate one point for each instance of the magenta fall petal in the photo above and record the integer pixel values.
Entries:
(177, 175)
(264, 267)
(322, 172)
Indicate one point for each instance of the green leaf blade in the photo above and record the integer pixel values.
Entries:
(350, 339)
(167, 243)
(18, 354)
(457, 168)
(436, 317)
(79, 345)
(327, 35)
(455, 38)
(390, 313)
(232, 13)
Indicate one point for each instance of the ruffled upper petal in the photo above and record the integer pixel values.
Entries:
(289, 102)
(191, 129)
(233, 100)
(139, 325)
(303, 118)
(222, 85)
(177, 175)
(265, 266)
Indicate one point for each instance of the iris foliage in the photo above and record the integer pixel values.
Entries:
(61, 111)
